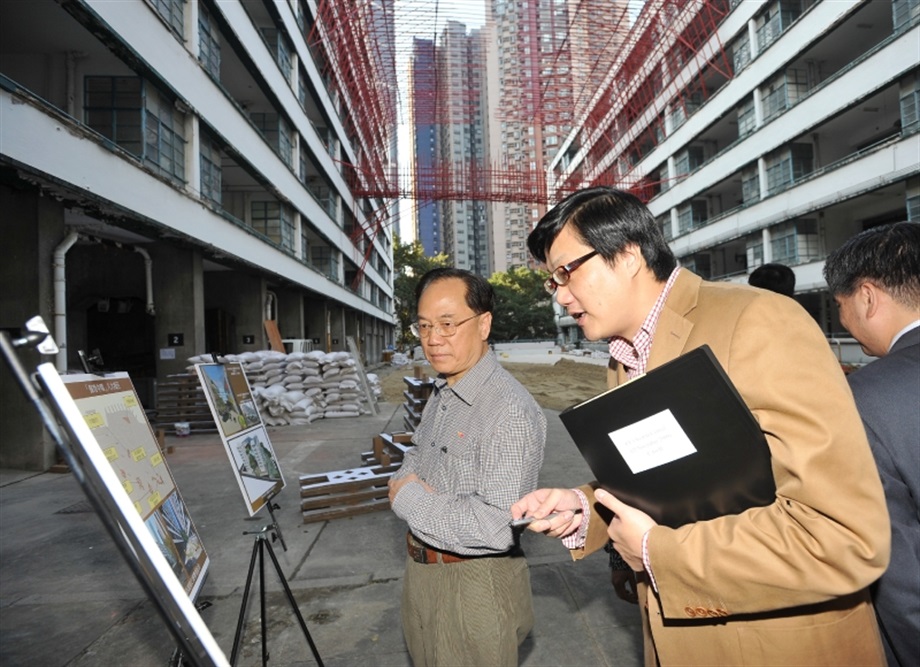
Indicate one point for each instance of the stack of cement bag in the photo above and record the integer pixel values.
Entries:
(301, 387)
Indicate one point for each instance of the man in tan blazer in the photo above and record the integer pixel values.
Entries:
(777, 585)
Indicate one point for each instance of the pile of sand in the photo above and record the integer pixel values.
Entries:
(555, 387)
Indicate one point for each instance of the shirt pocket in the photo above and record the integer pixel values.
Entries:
(461, 456)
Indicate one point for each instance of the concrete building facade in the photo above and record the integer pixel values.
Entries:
(792, 126)
(174, 174)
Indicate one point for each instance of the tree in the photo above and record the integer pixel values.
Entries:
(523, 309)
(410, 263)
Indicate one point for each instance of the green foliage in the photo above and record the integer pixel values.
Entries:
(411, 263)
(523, 309)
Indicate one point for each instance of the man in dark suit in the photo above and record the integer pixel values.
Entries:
(875, 279)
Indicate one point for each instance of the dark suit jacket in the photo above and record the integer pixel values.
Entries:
(887, 393)
(785, 584)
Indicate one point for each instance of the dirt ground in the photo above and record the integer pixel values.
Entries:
(555, 387)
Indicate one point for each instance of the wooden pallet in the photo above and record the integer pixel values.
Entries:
(417, 393)
(389, 448)
(343, 493)
(181, 399)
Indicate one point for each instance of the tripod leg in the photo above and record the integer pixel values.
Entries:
(246, 590)
(262, 544)
(293, 603)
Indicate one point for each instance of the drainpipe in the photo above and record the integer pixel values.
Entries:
(270, 305)
(60, 299)
(148, 275)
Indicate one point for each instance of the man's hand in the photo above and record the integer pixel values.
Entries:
(543, 502)
(396, 484)
(626, 528)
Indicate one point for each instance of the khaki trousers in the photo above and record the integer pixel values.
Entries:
(473, 613)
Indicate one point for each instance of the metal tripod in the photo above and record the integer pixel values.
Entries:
(261, 544)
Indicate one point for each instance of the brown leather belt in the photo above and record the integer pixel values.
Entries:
(422, 553)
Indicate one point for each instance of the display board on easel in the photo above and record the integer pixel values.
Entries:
(249, 449)
(111, 409)
(82, 453)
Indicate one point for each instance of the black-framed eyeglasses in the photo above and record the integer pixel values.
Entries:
(444, 329)
(563, 274)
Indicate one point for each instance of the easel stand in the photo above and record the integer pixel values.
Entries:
(262, 543)
(49, 397)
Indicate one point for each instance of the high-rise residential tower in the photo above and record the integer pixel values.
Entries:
(423, 89)
(545, 59)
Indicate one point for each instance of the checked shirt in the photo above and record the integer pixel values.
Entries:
(479, 444)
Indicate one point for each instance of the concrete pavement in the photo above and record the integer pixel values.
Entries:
(67, 598)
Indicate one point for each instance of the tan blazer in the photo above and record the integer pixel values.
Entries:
(784, 584)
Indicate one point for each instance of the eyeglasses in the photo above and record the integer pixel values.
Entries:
(563, 274)
(443, 329)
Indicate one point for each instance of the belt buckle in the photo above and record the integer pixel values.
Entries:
(417, 552)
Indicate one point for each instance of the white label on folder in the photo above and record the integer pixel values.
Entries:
(652, 442)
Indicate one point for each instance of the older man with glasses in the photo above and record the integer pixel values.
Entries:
(478, 448)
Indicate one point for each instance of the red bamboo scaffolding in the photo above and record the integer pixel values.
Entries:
(624, 80)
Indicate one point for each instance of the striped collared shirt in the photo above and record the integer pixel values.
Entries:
(480, 446)
(634, 355)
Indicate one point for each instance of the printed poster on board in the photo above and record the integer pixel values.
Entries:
(111, 409)
(242, 431)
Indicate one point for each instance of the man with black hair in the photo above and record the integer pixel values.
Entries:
(782, 584)
(875, 279)
(777, 278)
(478, 448)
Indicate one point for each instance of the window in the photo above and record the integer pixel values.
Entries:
(164, 135)
(750, 185)
(664, 223)
(272, 219)
(700, 264)
(747, 119)
(754, 253)
(285, 141)
(795, 242)
(277, 133)
(789, 165)
(688, 160)
(741, 51)
(777, 19)
(171, 12)
(112, 107)
(278, 45)
(117, 107)
(324, 260)
(913, 208)
(774, 98)
(302, 87)
(210, 169)
(910, 105)
(208, 42)
(692, 215)
(904, 13)
(678, 116)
